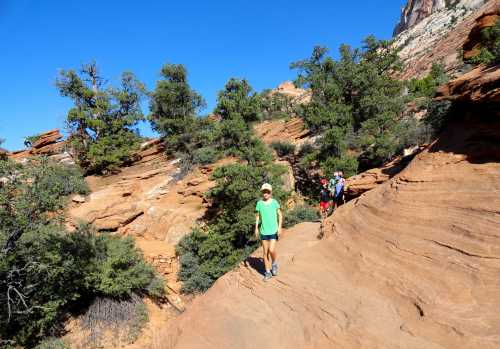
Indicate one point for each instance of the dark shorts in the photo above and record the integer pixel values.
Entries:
(338, 199)
(269, 237)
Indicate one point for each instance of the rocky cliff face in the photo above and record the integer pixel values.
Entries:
(416, 11)
(439, 37)
(413, 263)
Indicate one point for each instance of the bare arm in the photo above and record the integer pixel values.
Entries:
(257, 218)
(280, 220)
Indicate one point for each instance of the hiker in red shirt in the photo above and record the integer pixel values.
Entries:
(324, 195)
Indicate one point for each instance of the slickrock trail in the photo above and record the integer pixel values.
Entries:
(413, 263)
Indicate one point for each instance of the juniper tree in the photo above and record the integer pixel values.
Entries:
(238, 100)
(102, 120)
(174, 105)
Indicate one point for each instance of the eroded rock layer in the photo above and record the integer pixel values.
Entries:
(416, 11)
(439, 38)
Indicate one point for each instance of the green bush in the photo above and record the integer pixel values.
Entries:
(426, 87)
(173, 103)
(346, 163)
(121, 270)
(238, 99)
(206, 155)
(283, 148)
(300, 214)
(416, 132)
(276, 105)
(33, 189)
(201, 140)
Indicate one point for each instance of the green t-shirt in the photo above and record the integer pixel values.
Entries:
(268, 213)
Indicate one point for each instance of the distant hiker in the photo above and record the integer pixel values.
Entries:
(332, 183)
(268, 222)
(339, 190)
(324, 198)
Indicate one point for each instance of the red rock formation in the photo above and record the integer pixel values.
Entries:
(479, 85)
(46, 138)
(48, 143)
(292, 131)
(365, 181)
(414, 263)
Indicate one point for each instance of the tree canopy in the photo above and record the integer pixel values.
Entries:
(174, 105)
(356, 104)
(238, 100)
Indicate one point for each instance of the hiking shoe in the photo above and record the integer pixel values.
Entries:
(267, 276)
(274, 269)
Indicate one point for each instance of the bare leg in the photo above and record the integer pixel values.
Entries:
(322, 212)
(272, 251)
(265, 250)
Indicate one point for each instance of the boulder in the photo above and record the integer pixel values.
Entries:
(478, 85)
(46, 138)
(78, 199)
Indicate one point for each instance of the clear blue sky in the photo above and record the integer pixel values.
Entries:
(216, 40)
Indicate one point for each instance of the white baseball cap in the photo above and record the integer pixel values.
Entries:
(266, 186)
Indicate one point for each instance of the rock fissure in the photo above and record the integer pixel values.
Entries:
(461, 251)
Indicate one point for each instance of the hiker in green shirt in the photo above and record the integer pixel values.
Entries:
(268, 220)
